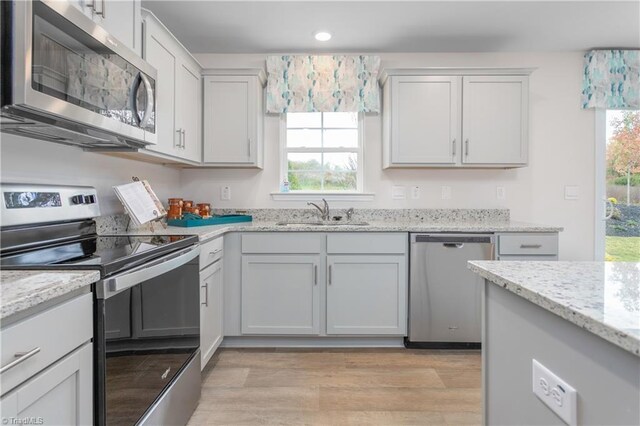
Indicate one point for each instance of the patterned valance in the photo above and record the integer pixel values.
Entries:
(611, 79)
(323, 83)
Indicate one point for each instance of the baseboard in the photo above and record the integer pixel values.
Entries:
(311, 342)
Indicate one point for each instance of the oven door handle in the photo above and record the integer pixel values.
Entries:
(116, 284)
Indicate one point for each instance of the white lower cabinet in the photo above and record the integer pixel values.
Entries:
(60, 395)
(211, 310)
(366, 295)
(280, 294)
(47, 360)
(320, 284)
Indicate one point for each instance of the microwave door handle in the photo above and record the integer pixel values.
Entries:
(116, 284)
(133, 98)
(150, 100)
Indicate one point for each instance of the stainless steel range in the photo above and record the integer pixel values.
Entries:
(146, 322)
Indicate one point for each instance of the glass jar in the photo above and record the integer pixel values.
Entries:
(205, 209)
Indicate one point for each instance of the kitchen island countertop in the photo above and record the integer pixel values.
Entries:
(600, 297)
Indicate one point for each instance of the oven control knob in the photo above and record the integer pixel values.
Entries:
(77, 199)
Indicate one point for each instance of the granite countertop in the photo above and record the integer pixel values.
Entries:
(209, 232)
(22, 290)
(601, 297)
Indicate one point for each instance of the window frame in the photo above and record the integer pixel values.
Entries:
(284, 150)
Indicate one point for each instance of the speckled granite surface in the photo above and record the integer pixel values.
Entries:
(601, 297)
(208, 232)
(380, 220)
(22, 290)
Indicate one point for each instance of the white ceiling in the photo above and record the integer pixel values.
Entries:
(400, 26)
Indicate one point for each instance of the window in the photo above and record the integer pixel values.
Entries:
(322, 151)
(618, 186)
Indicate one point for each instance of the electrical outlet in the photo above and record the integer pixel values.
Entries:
(398, 192)
(446, 192)
(501, 193)
(225, 193)
(415, 192)
(555, 393)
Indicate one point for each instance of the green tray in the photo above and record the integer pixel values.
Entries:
(215, 220)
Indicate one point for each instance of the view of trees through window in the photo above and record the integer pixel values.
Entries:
(322, 151)
(623, 186)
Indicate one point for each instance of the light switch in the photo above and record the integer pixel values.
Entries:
(571, 192)
(398, 192)
(225, 193)
(415, 192)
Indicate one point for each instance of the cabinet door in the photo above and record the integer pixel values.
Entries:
(230, 120)
(188, 94)
(366, 295)
(60, 395)
(280, 294)
(121, 18)
(425, 122)
(495, 119)
(211, 314)
(159, 52)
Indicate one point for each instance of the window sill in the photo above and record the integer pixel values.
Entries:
(316, 196)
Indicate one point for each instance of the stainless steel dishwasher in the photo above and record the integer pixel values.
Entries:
(444, 296)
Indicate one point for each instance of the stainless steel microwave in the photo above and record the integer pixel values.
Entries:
(66, 80)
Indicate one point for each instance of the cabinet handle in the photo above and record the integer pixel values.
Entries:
(104, 9)
(249, 146)
(184, 139)
(102, 12)
(315, 274)
(453, 148)
(211, 253)
(330, 274)
(530, 246)
(466, 148)
(206, 294)
(179, 145)
(21, 357)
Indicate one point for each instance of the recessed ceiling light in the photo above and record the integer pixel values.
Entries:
(322, 36)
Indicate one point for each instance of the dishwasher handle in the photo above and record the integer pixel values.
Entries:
(453, 245)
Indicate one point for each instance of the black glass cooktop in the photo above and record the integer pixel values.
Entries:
(107, 254)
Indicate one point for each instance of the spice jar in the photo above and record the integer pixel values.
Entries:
(175, 208)
(187, 206)
(205, 209)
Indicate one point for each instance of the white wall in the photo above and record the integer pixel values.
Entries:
(561, 153)
(26, 160)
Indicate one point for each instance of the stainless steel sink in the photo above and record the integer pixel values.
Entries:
(317, 223)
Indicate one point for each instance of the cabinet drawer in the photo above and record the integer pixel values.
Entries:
(528, 244)
(210, 251)
(282, 243)
(367, 243)
(55, 332)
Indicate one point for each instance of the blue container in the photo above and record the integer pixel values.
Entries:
(215, 220)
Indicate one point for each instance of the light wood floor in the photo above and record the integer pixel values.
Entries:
(340, 387)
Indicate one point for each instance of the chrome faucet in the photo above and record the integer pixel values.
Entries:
(324, 210)
(349, 213)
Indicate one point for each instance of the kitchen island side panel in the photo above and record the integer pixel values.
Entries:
(606, 377)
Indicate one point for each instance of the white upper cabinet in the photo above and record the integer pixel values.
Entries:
(425, 113)
(233, 118)
(121, 18)
(178, 95)
(455, 118)
(495, 119)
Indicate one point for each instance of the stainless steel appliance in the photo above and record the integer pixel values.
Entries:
(66, 80)
(147, 316)
(444, 296)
